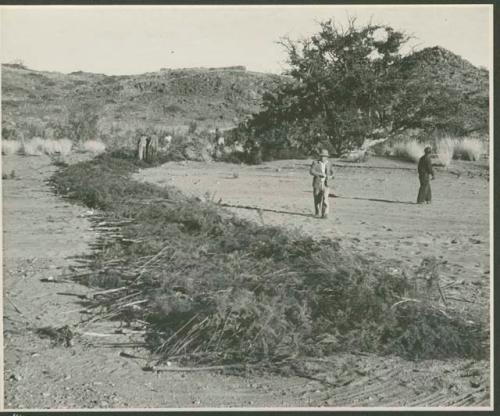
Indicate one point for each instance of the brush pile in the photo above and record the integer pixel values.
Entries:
(211, 288)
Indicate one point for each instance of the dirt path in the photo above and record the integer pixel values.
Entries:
(43, 233)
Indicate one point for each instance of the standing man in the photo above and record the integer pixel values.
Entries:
(321, 171)
(424, 171)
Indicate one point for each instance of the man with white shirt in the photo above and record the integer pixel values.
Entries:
(321, 171)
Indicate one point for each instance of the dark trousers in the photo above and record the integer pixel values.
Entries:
(424, 192)
(321, 201)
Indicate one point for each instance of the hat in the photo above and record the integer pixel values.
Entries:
(324, 152)
(427, 150)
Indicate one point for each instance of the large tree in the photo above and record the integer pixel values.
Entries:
(340, 91)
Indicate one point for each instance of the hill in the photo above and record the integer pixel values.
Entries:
(33, 101)
(442, 91)
(439, 92)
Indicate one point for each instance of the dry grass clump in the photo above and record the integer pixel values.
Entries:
(38, 146)
(61, 146)
(410, 150)
(356, 156)
(215, 288)
(93, 146)
(10, 147)
(445, 150)
(468, 149)
(33, 147)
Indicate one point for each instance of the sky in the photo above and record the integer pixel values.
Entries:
(123, 40)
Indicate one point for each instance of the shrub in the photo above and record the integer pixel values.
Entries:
(10, 147)
(93, 146)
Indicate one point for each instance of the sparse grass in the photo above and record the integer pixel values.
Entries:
(215, 288)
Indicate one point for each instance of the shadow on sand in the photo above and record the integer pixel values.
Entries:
(373, 199)
(301, 214)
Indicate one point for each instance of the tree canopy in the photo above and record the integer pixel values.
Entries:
(341, 83)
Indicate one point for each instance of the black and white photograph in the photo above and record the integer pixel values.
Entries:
(247, 207)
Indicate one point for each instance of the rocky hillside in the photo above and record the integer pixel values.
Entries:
(33, 100)
(439, 92)
(442, 91)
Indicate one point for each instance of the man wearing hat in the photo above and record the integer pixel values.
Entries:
(321, 171)
(424, 171)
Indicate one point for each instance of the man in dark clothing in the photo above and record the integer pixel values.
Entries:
(424, 171)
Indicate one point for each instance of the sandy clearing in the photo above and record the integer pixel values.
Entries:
(374, 211)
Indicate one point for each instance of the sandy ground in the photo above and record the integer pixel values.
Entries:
(374, 211)
(43, 235)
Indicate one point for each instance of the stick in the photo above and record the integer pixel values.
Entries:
(133, 303)
(127, 355)
(95, 334)
(404, 301)
(15, 307)
(442, 295)
(149, 261)
(105, 292)
(193, 369)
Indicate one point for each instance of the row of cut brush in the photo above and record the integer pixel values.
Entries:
(219, 289)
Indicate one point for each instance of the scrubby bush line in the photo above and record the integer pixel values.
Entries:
(38, 146)
(222, 289)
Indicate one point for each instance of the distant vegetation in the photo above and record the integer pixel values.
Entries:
(343, 87)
